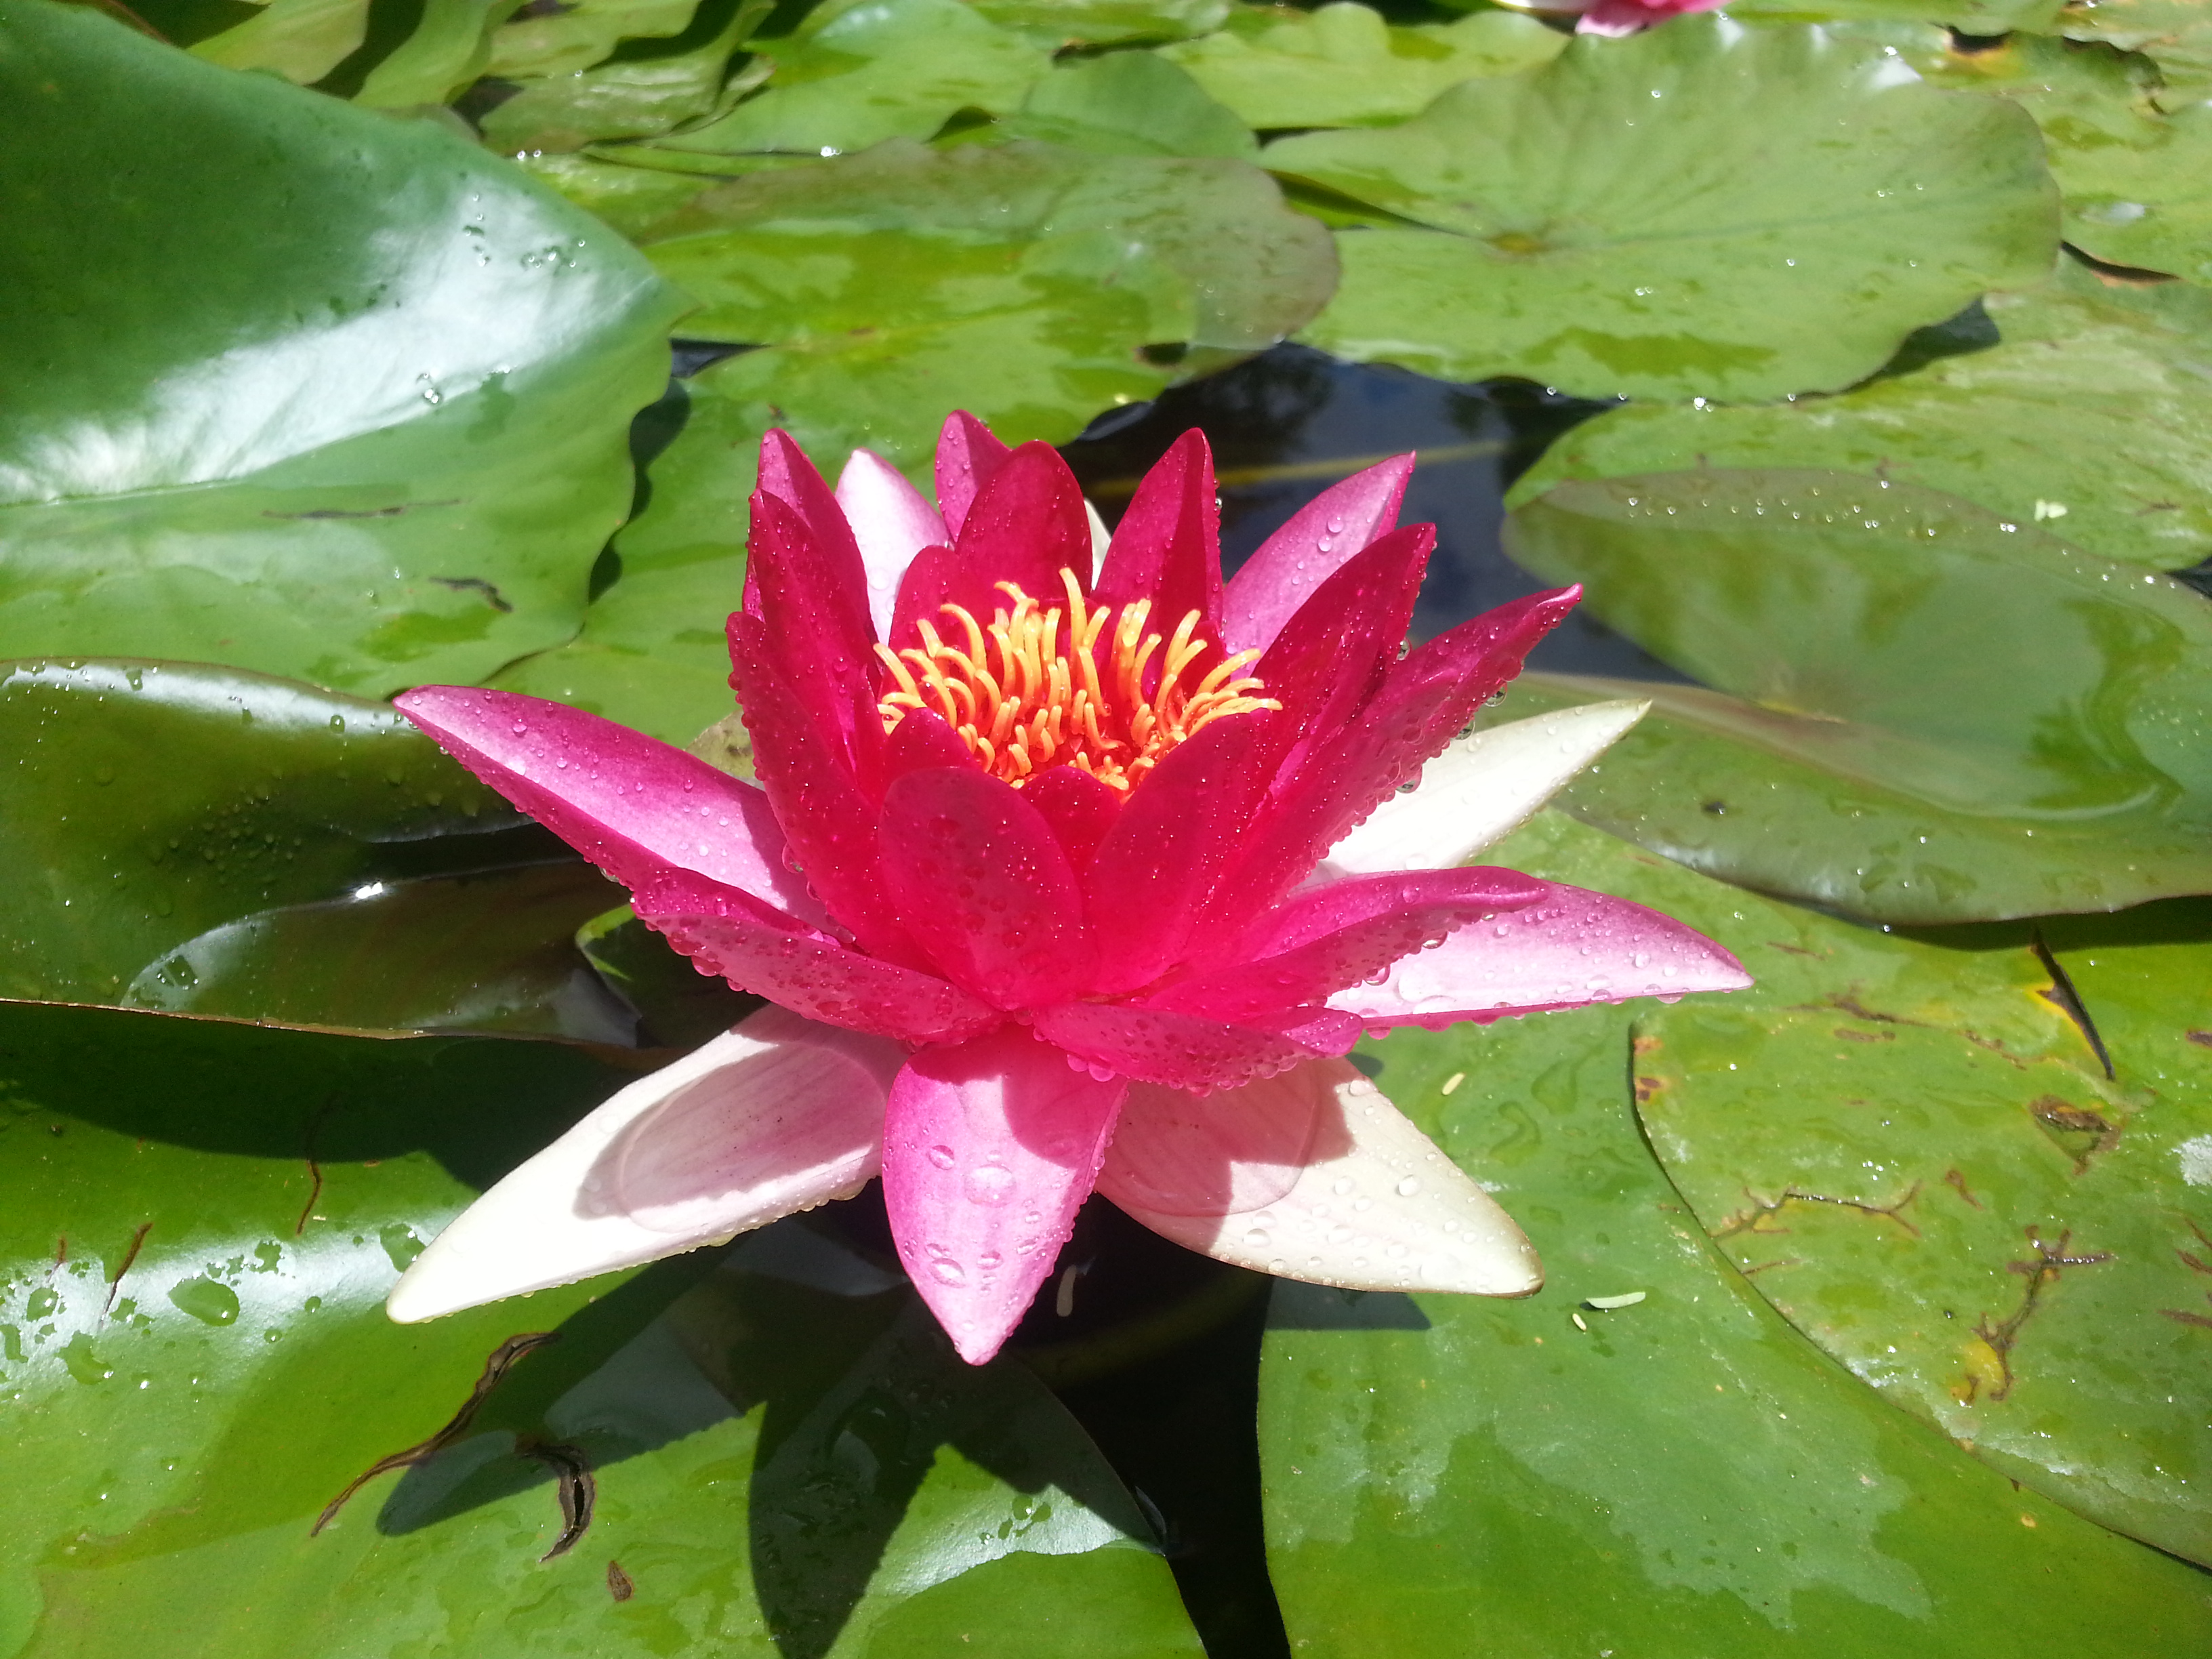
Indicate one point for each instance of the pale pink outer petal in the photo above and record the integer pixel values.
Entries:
(777, 1115)
(1571, 948)
(1479, 790)
(1373, 1206)
(892, 521)
(1219, 1154)
(1619, 17)
(613, 793)
(990, 1149)
(1162, 1045)
(1271, 585)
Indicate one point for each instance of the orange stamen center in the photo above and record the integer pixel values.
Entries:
(1025, 693)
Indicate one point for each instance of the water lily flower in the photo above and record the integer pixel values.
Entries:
(1068, 868)
(1613, 17)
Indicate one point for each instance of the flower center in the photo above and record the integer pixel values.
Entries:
(1033, 688)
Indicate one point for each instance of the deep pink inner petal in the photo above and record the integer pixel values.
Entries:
(830, 821)
(921, 593)
(967, 455)
(630, 803)
(1080, 809)
(728, 933)
(1344, 778)
(979, 879)
(1317, 953)
(1154, 869)
(1167, 548)
(813, 633)
(921, 742)
(1024, 527)
(1159, 1045)
(990, 1149)
(1569, 948)
(791, 478)
(1271, 586)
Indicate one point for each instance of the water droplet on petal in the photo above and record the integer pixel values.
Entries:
(947, 1271)
(942, 1157)
(1256, 1239)
(989, 1183)
(1409, 1186)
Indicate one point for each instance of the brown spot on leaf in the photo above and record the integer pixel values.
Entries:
(1957, 1182)
(618, 1583)
(2202, 1039)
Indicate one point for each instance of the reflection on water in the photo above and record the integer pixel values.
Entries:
(1288, 423)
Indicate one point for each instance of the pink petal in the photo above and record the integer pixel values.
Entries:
(726, 933)
(630, 803)
(1157, 1045)
(790, 478)
(1571, 948)
(1271, 586)
(1374, 1207)
(990, 1149)
(891, 522)
(1158, 864)
(922, 742)
(1222, 1154)
(828, 820)
(921, 593)
(1344, 933)
(1080, 808)
(1344, 778)
(967, 456)
(1024, 527)
(980, 881)
(1167, 548)
(815, 630)
(777, 1115)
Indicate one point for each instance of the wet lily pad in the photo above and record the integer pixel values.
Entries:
(213, 841)
(296, 462)
(648, 88)
(2175, 34)
(1967, 17)
(1054, 24)
(853, 74)
(201, 1222)
(572, 39)
(1677, 1478)
(1700, 210)
(1129, 103)
(2123, 369)
(302, 40)
(2072, 731)
(1342, 65)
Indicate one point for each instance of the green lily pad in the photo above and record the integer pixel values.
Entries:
(2136, 178)
(580, 34)
(302, 40)
(1678, 1478)
(856, 72)
(2074, 728)
(646, 88)
(2124, 370)
(626, 197)
(1991, 17)
(1020, 282)
(1129, 103)
(1341, 66)
(447, 50)
(1054, 24)
(776, 1467)
(298, 461)
(1785, 210)
(207, 841)
(2175, 34)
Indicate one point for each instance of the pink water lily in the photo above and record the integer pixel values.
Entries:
(1068, 868)
(1616, 17)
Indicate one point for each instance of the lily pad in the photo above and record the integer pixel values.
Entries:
(2175, 34)
(1702, 209)
(2133, 162)
(1020, 282)
(784, 1456)
(1680, 1477)
(302, 40)
(447, 48)
(855, 72)
(1342, 65)
(578, 35)
(209, 841)
(647, 88)
(1054, 24)
(1968, 17)
(2124, 370)
(1129, 103)
(296, 462)
(2075, 729)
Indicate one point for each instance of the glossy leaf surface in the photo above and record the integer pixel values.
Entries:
(2125, 370)
(1129, 103)
(1700, 211)
(1054, 24)
(1342, 65)
(2075, 727)
(785, 1457)
(300, 461)
(1681, 1476)
(649, 87)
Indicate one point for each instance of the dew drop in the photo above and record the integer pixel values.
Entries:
(941, 1157)
(989, 1183)
(1256, 1238)
(1409, 1186)
(946, 1271)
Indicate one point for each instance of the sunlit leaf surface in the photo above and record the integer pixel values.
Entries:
(375, 438)
(2125, 370)
(1702, 210)
(1870, 755)
(1681, 1476)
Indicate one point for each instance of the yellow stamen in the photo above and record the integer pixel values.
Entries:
(1026, 694)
